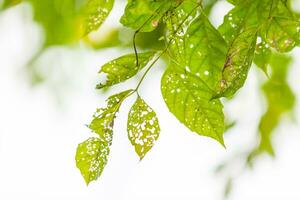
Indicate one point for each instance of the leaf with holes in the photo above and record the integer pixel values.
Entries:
(103, 121)
(91, 158)
(124, 68)
(145, 15)
(190, 82)
(239, 59)
(189, 99)
(282, 30)
(94, 13)
(143, 127)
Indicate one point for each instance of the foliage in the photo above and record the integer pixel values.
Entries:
(205, 64)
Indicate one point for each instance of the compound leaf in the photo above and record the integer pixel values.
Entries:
(124, 68)
(91, 158)
(143, 127)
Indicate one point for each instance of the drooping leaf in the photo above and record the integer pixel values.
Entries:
(238, 62)
(190, 81)
(103, 121)
(91, 158)
(94, 13)
(143, 127)
(123, 68)
(144, 15)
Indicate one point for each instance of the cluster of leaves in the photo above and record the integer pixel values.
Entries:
(205, 64)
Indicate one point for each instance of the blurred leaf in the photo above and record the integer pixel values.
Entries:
(9, 3)
(94, 12)
(123, 68)
(280, 99)
(143, 127)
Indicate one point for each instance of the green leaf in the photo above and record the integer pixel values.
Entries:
(91, 155)
(238, 62)
(94, 13)
(57, 19)
(143, 127)
(103, 121)
(124, 68)
(280, 100)
(189, 99)
(91, 158)
(190, 81)
(145, 15)
(282, 30)
(9, 3)
(262, 56)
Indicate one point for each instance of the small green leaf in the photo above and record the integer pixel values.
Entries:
(103, 121)
(91, 158)
(239, 59)
(123, 68)
(145, 15)
(94, 13)
(143, 127)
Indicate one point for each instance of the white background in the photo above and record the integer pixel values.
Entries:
(40, 127)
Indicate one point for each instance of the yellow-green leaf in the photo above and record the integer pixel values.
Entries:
(143, 127)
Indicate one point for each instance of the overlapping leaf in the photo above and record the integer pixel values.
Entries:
(239, 59)
(143, 127)
(282, 30)
(124, 68)
(145, 15)
(188, 84)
